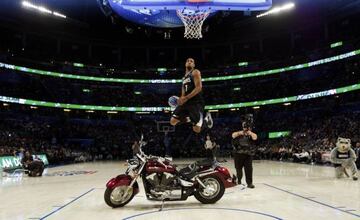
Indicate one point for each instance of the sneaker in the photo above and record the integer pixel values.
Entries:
(209, 121)
(355, 177)
(251, 186)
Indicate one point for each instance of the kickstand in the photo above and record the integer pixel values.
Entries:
(162, 205)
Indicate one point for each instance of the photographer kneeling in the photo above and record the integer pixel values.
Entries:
(34, 167)
(243, 143)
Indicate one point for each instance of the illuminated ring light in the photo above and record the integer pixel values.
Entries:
(329, 92)
(168, 81)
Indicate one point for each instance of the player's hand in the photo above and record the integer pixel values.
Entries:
(182, 100)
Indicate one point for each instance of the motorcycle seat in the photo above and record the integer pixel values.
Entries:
(188, 172)
(191, 170)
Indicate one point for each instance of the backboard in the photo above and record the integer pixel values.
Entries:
(216, 5)
(176, 13)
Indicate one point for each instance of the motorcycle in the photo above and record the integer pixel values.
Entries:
(163, 181)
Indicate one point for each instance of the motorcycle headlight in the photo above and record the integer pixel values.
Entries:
(133, 162)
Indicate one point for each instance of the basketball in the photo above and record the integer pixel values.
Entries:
(173, 101)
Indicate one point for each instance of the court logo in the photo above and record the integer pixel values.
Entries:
(70, 173)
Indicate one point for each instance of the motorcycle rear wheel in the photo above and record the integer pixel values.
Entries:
(213, 192)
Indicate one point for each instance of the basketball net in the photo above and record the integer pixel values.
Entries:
(193, 22)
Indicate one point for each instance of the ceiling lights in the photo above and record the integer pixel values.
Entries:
(277, 10)
(42, 9)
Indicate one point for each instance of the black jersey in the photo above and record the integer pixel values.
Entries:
(189, 86)
(345, 155)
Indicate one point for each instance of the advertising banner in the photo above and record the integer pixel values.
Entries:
(11, 162)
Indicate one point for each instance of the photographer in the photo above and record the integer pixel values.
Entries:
(244, 151)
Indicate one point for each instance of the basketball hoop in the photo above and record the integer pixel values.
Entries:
(193, 22)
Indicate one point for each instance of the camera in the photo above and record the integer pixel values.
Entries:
(248, 121)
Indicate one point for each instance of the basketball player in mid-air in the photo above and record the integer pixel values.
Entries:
(191, 104)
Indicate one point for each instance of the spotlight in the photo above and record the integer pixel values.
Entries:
(42, 9)
(277, 10)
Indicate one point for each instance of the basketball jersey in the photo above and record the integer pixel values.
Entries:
(343, 155)
(189, 86)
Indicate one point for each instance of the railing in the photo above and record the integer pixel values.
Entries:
(168, 81)
(324, 93)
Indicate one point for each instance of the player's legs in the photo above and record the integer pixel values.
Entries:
(208, 120)
(196, 112)
(204, 123)
(180, 115)
(174, 121)
(197, 127)
(193, 113)
(200, 123)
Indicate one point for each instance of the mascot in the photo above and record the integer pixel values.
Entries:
(343, 157)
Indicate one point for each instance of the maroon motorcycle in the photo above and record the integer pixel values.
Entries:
(162, 181)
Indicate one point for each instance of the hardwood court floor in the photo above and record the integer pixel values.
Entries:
(283, 191)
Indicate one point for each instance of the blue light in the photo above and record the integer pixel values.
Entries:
(162, 13)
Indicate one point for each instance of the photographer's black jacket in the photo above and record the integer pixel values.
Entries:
(244, 145)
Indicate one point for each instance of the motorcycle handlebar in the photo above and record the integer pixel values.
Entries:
(143, 156)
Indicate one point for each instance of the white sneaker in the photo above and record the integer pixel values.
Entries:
(209, 121)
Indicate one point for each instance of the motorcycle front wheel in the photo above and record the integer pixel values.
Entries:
(118, 196)
(213, 191)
